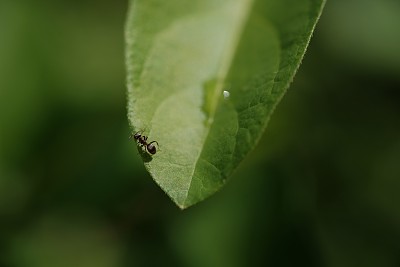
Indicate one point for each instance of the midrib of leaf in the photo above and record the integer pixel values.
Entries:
(221, 76)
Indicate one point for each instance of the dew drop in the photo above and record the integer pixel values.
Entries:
(226, 94)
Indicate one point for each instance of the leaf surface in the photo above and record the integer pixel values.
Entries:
(182, 56)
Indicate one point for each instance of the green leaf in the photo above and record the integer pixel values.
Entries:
(182, 55)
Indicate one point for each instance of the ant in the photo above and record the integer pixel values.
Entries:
(142, 140)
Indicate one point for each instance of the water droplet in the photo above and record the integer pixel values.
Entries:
(226, 94)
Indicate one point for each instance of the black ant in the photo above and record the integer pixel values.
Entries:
(142, 141)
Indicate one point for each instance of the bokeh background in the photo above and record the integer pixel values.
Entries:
(321, 189)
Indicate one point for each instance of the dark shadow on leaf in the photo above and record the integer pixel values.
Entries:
(145, 156)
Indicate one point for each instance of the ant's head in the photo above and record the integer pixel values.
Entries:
(136, 136)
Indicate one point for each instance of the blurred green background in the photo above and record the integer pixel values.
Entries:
(321, 189)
